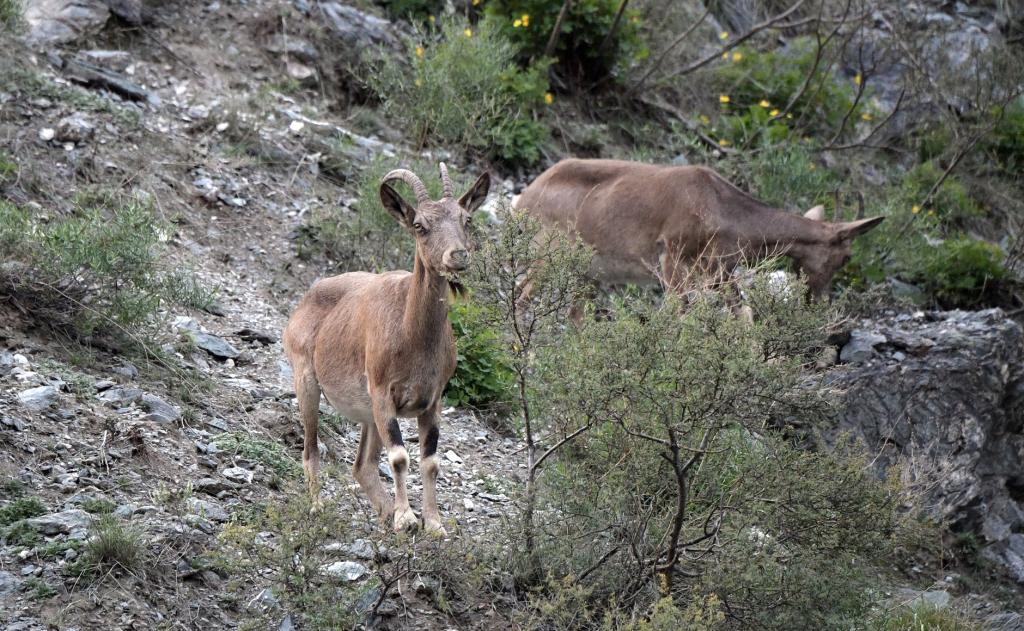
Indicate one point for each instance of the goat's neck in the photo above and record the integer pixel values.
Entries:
(426, 304)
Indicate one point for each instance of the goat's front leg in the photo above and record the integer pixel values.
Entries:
(391, 434)
(429, 424)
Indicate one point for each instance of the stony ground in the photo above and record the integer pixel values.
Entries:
(231, 160)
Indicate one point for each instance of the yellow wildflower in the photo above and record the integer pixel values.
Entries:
(866, 116)
(723, 98)
(419, 83)
(765, 103)
(857, 79)
(723, 35)
(773, 113)
(704, 119)
(634, 19)
(431, 18)
(789, 116)
(476, 3)
(549, 98)
(517, 23)
(916, 209)
(725, 56)
(723, 142)
(525, 19)
(419, 51)
(737, 56)
(468, 33)
(930, 212)
(813, 166)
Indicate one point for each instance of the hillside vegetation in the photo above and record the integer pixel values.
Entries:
(173, 177)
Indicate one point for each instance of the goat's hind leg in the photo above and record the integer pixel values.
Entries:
(307, 394)
(365, 470)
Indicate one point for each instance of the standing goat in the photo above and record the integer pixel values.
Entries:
(379, 347)
(648, 223)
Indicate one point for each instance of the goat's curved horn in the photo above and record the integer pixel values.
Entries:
(446, 181)
(410, 178)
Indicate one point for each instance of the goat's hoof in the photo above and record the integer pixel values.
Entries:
(434, 528)
(316, 507)
(406, 521)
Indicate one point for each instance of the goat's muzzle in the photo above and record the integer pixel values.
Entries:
(456, 260)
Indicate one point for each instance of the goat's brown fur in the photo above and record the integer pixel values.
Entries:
(648, 223)
(379, 347)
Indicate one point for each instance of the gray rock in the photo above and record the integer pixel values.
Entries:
(346, 570)
(61, 21)
(385, 470)
(265, 600)
(117, 60)
(861, 346)
(210, 343)
(954, 407)
(680, 160)
(901, 289)
(75, 128)
(159, 410)
(120, 397)
(297, 47)
(39, 398)
(14, 423)
(286, 624)
(237, 474)
(212, 486)
(362, 549)
(131, 11)
(8, 583)
(60, 523)
(208, 509)
(356, 28)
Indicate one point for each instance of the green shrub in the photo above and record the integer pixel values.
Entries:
(270, 454)
(112, 544)
(415, 10)
(11, 15)
(960, 270)
(581, 50)
(99, 506)
(755, 88)
(98, 269)
(1006, 142)
(8, 168)
(951, 204)
(924, 617)
(484, 374)
(462, 88)
(673, 417)
(21, 508)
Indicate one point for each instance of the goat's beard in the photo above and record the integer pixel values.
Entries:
(454, 284)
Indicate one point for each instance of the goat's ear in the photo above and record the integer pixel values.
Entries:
(476, 195)
(817, 213)
(851, 229)
(398, 207)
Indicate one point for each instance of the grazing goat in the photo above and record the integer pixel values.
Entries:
(651, 223)
(380, 347)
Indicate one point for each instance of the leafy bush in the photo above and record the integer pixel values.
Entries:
(484, 374)
(21, 508)
(461, 87)
(1006, 142)
(270, 454)
(960, 269)
(98, 269)
(674, 477)
(581, 49)
(924, 616)
(113, 544)
(10, 14)
(756, 87)
(417, 10)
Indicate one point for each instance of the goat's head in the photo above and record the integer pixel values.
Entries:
(821, 260)
(439, 227)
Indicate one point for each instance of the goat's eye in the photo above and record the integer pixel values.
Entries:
(418, 227)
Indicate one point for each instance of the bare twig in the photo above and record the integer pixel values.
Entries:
(549, 50)
(661, 58)
(614, 27)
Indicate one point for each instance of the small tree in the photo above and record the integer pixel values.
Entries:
(552, 266)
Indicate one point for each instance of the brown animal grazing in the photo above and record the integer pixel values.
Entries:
(379, 347)
(651, 223)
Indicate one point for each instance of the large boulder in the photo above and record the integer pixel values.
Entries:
(62, 21)
(940, 396)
